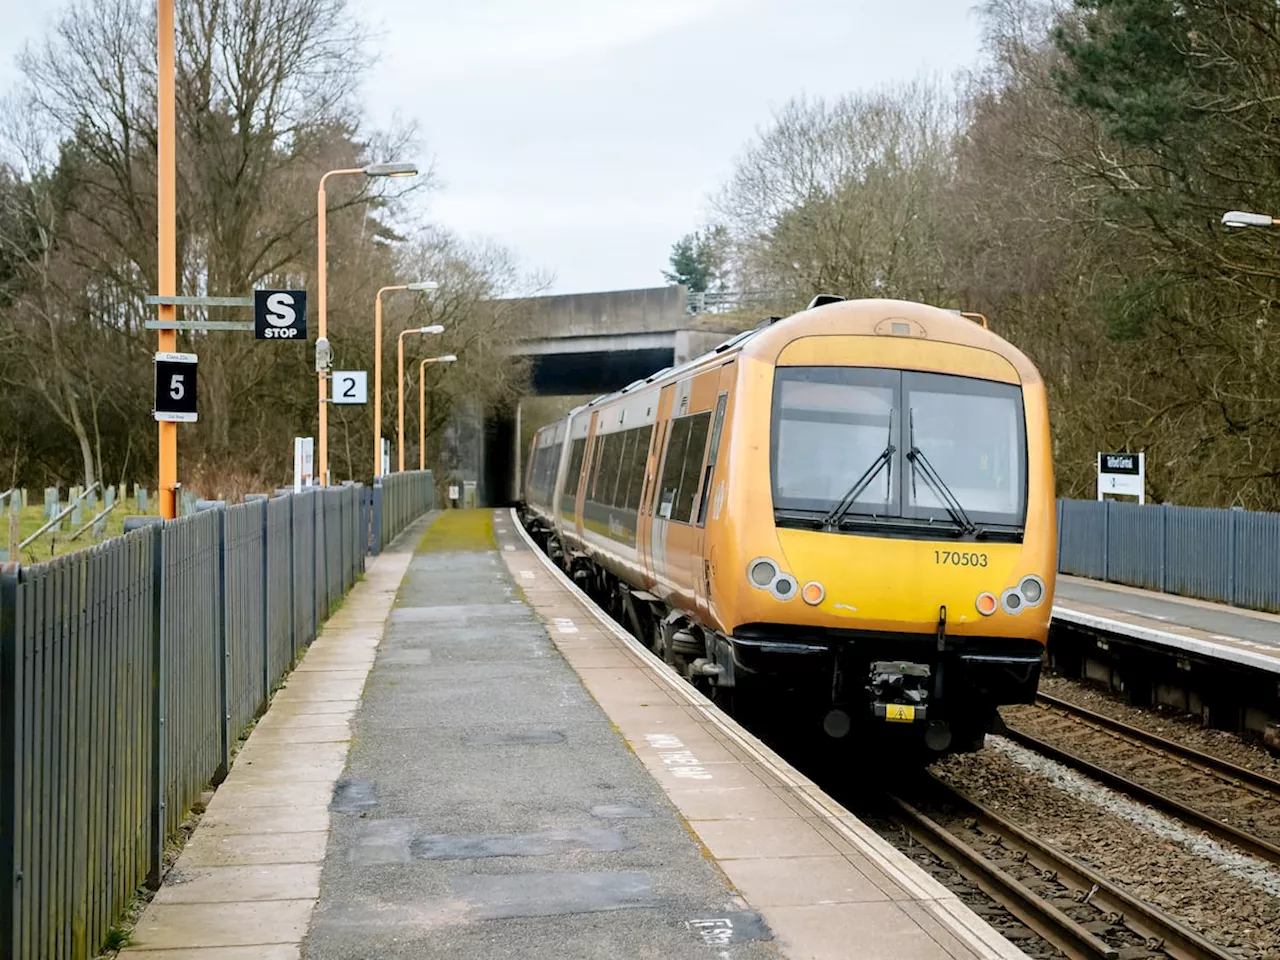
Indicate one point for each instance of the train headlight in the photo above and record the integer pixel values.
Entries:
(987, 604)
(784, 587)
(813, 593)
(1012, 600)
(762, 572)
(1032, 590)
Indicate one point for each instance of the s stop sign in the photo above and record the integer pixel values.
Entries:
(280, 314)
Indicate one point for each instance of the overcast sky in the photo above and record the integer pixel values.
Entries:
(587, 135)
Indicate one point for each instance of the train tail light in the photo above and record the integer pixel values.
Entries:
(813, 593)
(987, 604)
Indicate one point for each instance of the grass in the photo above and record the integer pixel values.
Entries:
(459, 530)
(56, 543)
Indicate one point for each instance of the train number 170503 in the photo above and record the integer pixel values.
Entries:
(958, 558)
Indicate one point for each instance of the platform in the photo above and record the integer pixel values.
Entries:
(525, 780)
(1250, 638)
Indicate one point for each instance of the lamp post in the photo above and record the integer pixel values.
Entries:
(422, 405)
(166, 235)
(377, 365)
(372, 170)
(1240, 218)
(434, 328)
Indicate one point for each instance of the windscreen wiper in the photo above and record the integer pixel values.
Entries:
(936, 483)
(868, 477)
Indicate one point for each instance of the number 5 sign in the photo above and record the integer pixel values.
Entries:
(176, 387)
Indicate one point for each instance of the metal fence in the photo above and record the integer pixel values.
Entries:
(127, 672)
(398, 499)
(1229, 556)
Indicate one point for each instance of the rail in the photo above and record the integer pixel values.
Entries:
(1207, 761)
(1179, 942)
(1220, 829)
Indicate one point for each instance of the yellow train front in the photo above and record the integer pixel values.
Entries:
(844, 517)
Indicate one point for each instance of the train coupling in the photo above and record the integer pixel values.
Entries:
(899, 691)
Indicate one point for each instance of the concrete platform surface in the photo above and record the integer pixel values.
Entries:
(824, 884)
(489, 768)
(1249, 637)
(247, 881)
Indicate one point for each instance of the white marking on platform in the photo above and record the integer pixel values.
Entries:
(565, 625)
(715, 932)
(527, 575)
(509, 546)
(673, 752)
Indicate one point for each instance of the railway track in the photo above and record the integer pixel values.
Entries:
(1073, 907)
(1230, 803)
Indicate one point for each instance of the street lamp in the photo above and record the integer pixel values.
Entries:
(434, 328)
(372, 170)
(422, 405)
(1239, 218)
(377, 364)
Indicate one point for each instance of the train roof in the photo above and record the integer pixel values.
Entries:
(821, 316)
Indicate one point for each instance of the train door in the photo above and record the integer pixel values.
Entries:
(711, 488)
(651, 535)
(589, 464)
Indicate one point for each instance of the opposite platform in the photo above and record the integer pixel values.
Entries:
(1247, 637)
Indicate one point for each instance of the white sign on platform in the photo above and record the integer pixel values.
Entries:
(386, 456)
(350, 386)
(1122, 475)
(303, 463)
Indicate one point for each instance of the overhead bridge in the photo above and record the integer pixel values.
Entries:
(593, 343)
(599, 342)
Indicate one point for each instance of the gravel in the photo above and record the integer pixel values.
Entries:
(1223, 899)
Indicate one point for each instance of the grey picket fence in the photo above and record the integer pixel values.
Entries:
(398, 499)
(128, 671)
(1228, 556)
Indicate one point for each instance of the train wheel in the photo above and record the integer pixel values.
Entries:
(725, 698)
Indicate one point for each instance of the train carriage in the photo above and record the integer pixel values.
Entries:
(846, 515)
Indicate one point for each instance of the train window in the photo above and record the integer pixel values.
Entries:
(673, 466)
(576, 454)
(635, 469)
(626, 445)
(699, 426)
(712, 453)
(609, 469)
(971, 432)
(830, 426)
(593, 477)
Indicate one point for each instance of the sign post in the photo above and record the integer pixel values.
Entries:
(1123, 475)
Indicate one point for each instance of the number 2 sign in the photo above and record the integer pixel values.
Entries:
(176, 387)
(350, 386)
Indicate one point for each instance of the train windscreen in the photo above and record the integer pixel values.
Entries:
(902, 446)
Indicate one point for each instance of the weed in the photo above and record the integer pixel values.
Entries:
(459, 530)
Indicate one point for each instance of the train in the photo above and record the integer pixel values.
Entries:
(844, 517)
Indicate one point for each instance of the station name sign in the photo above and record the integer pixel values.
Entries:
(1122, 474)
